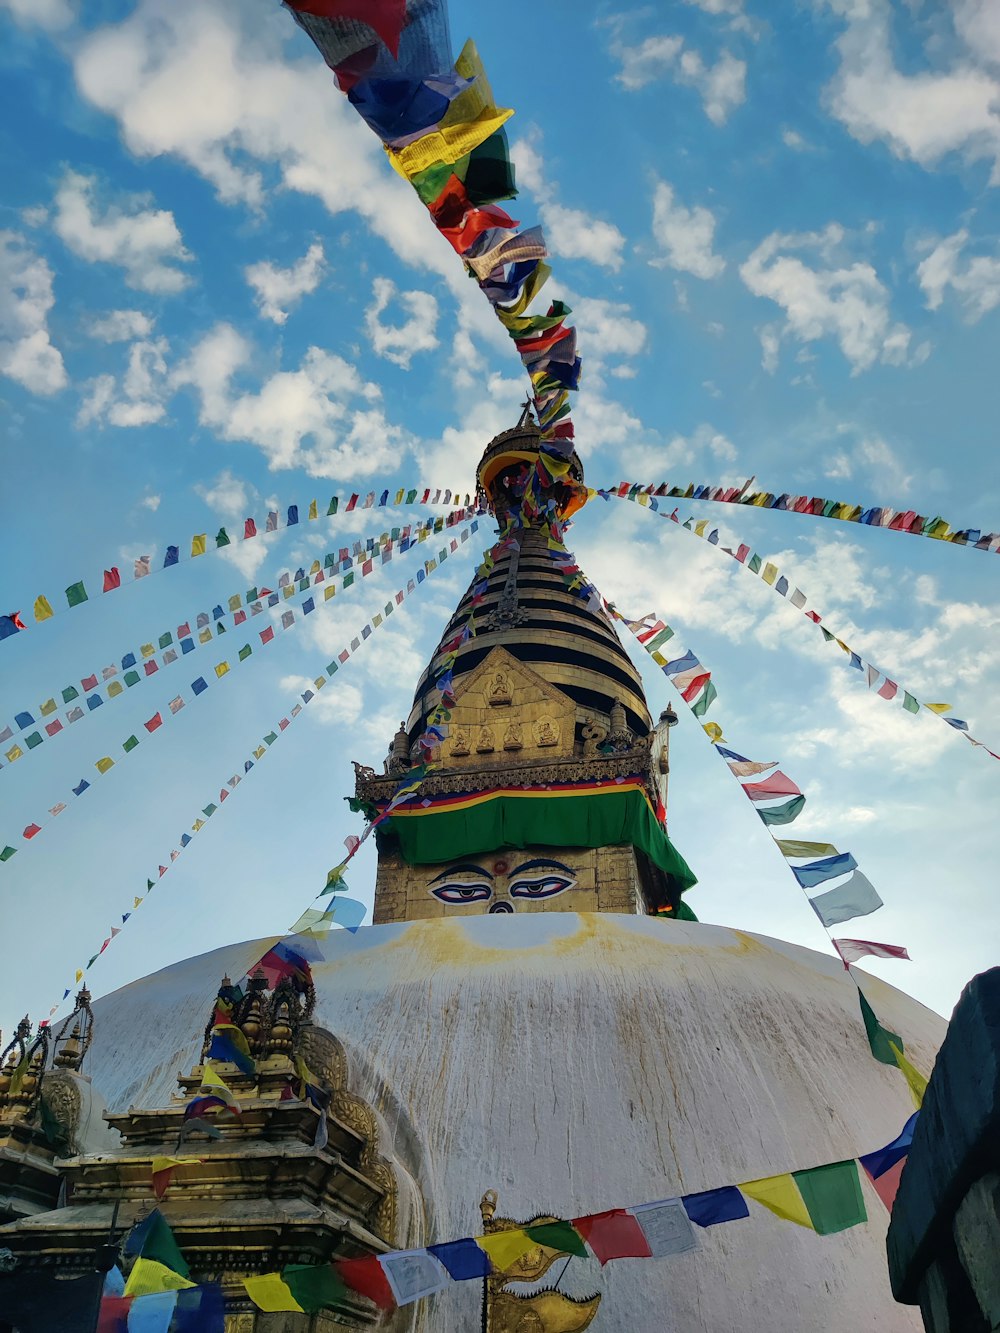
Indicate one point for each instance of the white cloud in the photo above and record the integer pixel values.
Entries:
(277, 289)
(151, 502)
(139, 399)
(233, 500)
(974, 280)
(313, 417)
(48, 14)
(607, 328)
(571, 233)
(684, 235)
(654, 458)
(26, 351)
(722, 86)
(928, 114)
(400, 342)
(840, 299)
(119, 326)
(495, 407)
(145, 242)
(794, 140)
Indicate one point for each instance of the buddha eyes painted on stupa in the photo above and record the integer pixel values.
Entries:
(502, 887)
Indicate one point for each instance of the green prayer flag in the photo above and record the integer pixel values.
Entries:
(314, 1286)
(832, 1196)
(245, 652)
(92, 960)
(782, 814)
(661, 638)
(209, 811)
(130, 744)
(909, 703)
(334, 502)
(753, 564)
(411, 496)
(880, 1039)
(160, 1246)
(331, 667)
(33, 740)
(149, 885)
(166, 639)
(708, 697)
(70, 693)
(221, 538)
(558, 1236)
(220, 628)
(76, 594)
(7, 853)
(348, 578)
(250, 595)
(270, 738)
(131, 678)
(827, 635)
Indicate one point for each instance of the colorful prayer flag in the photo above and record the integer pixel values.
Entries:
(855, 897)
(851, 950)
(666, 1227)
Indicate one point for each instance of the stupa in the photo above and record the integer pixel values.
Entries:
(534, 1027)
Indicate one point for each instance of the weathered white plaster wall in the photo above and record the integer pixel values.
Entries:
(580, 1062)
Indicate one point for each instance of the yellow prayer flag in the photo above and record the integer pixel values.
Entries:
(939, 708)
(315, 567)
(319, 682)
(781, 1195)
(658, 658)
(313, 509)
(474, 100)
(843, 646)
(79, 974)
(235, 602)
(505, 1247)
(147, 650)
(198, 544)
(713, 731)
(447, 144)
(643, 499)
(197, 825)
(115, 688)
(913, 1076)
(168, 1163)
(43, 611)
(14, 752)
(49, 706)
(210, 1079)
(104, 764)
(136, 902)
(149, 1276)
(770, 573)
(699, 527)
(270, 1294)
(289, 591)
(221, 669)
(792, 847)
(257, 754)
(329, 592)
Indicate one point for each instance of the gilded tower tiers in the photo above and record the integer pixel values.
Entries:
(545, 790)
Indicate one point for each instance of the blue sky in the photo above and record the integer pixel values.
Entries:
(778, 231)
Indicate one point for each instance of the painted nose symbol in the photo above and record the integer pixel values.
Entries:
(500, 907)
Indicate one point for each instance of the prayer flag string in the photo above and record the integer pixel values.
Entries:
(112, 681)
(845, 892)
(825, 1199)
(76, 593)
(269, 739)
(885, 686)
(895, 520)
(442, 131)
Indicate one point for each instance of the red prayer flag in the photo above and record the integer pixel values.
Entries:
(385, 17)
(150, 667)
(31, 830)
(53, 727)
(113, 1316)
(887, 1184)
(184, 631)
(163, 871)
(742, 552)
(351, 503)
(461, 236)
(613, 1235)
(541, 342)
(888, 689)
(851, 950)
(90, 683)
(112, 578)
(283, 724)
(161, 1181)
(814, 617)
(249, 529)
(778, 784)
(155, 721)
(266, 635)
(650, 633)
(692, 691)
(366, 1277)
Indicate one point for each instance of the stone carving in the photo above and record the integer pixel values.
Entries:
(460, 744)
(546, 1311)
(512, 737)
(620, 735)
(61, 1096)
(323, 1053)
(500, 692)
(594, 734)
(546, 732)
(485, 744)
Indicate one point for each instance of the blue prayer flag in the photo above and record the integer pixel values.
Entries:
(187, 645)
(308, 605)
(880, 1161)
(293, 515)
(818, 872)
(81, 787)
(680, 664)
(171, 557)
(7, 627)
(199, 685)
(217, 613)
(349, 913)
(712, 1206)
(463, 1259)
(128, 661)
(24, 720)
(94, 701)
(185, 839)
(200, 1309)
